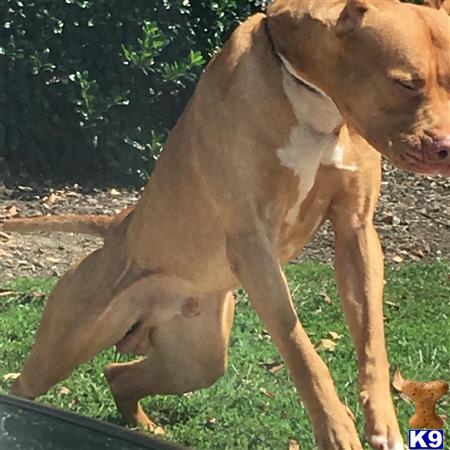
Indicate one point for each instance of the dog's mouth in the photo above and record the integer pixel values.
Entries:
(412, 163)
(415, 152)
(421, 154)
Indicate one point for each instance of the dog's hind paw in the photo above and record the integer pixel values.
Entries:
(152, 428)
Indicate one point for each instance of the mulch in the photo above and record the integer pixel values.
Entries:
(413, 219)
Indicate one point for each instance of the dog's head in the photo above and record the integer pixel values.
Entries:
(385, 64)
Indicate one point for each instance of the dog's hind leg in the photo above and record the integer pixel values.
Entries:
(89, 311)
(186, 354)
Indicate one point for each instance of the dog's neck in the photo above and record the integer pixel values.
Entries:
(321, 111)
(305, 36)
(288, 66)
(311, 104)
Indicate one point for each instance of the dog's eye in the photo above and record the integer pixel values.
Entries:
(410, 84)
(407, 84)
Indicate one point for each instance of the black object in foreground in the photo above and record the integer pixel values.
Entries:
(26, 425)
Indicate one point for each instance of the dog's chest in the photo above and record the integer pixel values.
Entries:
(312, 142)
(303, 218)
(303, 156)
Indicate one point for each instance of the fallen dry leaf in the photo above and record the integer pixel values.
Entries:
(325, 297)
(72, 194)
(211, 422)
(6, 293)
(63, 390)
(159, 431)
(273, 366)
(335, 336)
(397, 259)
(11, 376)
(394, 305)
(327, 345)
(5, 254)
(397, 381)
(397, 384)
(52, 260)
(267, 394)
(12, 211)
(293, 445)
(52, 198)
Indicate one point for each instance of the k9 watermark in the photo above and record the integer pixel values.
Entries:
(426, 439)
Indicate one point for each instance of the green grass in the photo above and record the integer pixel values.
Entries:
(251, 408)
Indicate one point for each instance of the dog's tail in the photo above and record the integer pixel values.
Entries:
(94, 225)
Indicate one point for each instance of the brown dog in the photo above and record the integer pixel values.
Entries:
(268, 149)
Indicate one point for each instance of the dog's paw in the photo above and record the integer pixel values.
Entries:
(338, 432)
(381, 427)
(380, 442)
(145, 423)
(388, 439)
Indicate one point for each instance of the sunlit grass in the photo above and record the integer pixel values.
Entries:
(250, 407)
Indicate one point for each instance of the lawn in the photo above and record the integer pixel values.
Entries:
(254, 406)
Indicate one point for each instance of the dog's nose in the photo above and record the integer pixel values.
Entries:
(438, 152)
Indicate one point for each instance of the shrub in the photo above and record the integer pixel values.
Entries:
(89, 88)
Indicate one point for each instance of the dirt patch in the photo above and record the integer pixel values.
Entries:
(413, 219)
(42, 254)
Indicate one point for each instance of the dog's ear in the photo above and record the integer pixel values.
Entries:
(351, 16)
(446, 6)
(436, 4)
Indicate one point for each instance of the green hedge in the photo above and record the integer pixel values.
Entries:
(89, 88)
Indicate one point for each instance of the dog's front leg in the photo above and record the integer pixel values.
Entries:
(253, 260)
(360, 277)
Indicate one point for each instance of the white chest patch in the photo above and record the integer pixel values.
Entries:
(303, 156)
(312, 142)
(335, 158)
